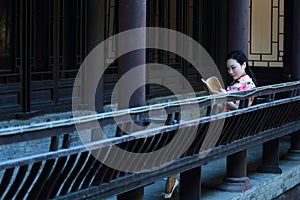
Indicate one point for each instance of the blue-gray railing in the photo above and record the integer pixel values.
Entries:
(194, 126)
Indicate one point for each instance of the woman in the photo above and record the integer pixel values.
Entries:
(243, 78)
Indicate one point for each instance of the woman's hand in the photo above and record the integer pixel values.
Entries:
(231, 105)
(222, 90)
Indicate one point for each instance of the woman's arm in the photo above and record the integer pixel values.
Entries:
(232, 106)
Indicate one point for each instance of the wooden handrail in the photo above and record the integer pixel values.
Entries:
(76, 164)
(202, 101)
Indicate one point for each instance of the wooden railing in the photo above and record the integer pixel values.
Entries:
(93, 170)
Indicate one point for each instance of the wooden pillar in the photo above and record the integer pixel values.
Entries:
(95, 35)
(292, 59)
(236, 165)
(296, 41)
(132, 14)
(238, 13)
(190, 184)
(294, 151)
(236, 179)
(292, 39)
(270, 160)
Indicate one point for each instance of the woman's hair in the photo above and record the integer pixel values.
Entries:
(240, 57)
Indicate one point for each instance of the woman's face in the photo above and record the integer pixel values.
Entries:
(235, 69)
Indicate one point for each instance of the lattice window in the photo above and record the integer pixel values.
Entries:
(266, 33)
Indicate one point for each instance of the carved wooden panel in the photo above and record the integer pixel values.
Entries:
(266, 34)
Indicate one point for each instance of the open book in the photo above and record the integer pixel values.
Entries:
(212, 85)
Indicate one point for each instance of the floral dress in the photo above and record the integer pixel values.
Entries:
(244, 82)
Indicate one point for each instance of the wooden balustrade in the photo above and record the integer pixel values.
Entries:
(67, 171)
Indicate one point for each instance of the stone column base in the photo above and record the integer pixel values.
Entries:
(235, 184)
(293, 154)
(269, 169)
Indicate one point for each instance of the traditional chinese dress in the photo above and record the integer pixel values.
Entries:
(244, 82)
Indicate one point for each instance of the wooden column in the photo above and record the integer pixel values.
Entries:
(236, 179)
(294, 151)
(292, 59)
(238, 13)
(190, 184)
(270, 160)
(132, 14)
(296, 41)
(236, 166)
(292, 39)
(95, 35)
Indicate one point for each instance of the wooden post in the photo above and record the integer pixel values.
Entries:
(270, 160)
(292, 60)
(292, 39)
(238, 25)
(294, 151)
(190, 184)
(95, 35)
(132, 14)
(236, 172)
(236, 179)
